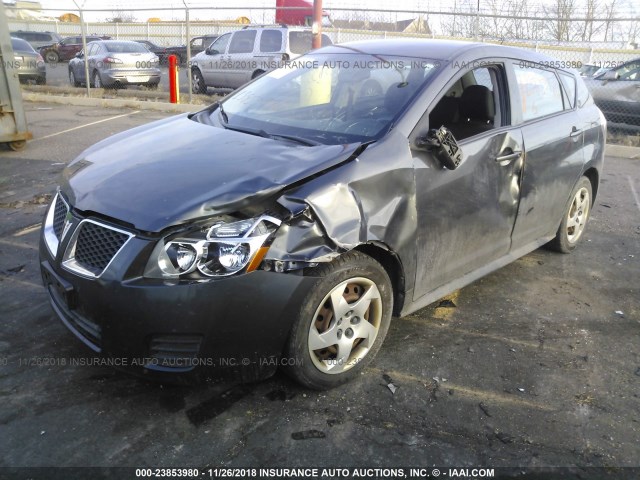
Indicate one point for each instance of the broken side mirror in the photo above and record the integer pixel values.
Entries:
(443, 145)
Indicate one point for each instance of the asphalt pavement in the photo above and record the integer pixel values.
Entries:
(535, 365)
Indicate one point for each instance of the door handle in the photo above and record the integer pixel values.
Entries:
(575, 132)
(508, 157)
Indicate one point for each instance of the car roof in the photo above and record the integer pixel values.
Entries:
(444, 50)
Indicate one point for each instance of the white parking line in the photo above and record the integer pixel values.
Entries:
(18, 245)
(633, 190)
(86, 125)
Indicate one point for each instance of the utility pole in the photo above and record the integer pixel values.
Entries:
(188, 50)
(83, 28)
(316, 28)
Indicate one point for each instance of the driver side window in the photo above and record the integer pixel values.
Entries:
(220, 45)
(471, 105)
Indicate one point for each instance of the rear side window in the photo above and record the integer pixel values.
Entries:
(540, 92)
(300, 42)
(242, 41)
(569, 84)
(271, 41)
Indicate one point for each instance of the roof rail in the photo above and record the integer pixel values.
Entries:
(276, 25)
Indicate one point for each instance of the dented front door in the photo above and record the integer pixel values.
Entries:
(465, 216)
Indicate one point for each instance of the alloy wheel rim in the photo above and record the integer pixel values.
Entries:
(578, 214)
(345, 325)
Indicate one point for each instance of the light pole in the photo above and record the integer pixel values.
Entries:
(84, 47)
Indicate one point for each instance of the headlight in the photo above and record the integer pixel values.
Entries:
(216, 251)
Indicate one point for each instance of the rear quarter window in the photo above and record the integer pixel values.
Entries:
(569, 85)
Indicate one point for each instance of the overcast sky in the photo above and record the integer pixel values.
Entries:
(623, 6)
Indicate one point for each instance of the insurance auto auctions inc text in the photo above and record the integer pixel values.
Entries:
(465, 473)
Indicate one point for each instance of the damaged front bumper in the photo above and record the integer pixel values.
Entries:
(176, 330)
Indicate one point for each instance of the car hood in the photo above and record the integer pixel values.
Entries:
(176, 170)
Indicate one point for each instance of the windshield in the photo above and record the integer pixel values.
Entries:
(329, 98)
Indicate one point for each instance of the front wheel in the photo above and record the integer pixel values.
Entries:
(575, 218)
(52, 56)
(197, 82)
(72, 79)
(342, 323)
(97, 81)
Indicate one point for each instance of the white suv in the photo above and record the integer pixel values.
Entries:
(237, 57)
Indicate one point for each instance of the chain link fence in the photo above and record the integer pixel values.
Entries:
(587, 38)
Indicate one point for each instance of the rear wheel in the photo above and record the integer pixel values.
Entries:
(342, 323)
(575, 218)
(197, 82)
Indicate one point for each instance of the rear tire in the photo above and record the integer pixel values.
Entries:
(342, 323)
(574, 219)
(256, 74)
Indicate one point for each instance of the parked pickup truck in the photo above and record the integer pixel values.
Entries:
(198, 44)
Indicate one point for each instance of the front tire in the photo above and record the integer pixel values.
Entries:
(52, 56)
(342, 322)
(197, 82)
(72, 79)
(97, 81)
(575, 218)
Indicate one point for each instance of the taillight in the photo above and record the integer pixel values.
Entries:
(111, 60)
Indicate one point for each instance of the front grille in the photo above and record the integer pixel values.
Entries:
(96, 246)
(92, 247)
(59, 215)
(174, 352)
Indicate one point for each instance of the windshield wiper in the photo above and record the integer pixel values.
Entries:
(273, 136)
(293, 138)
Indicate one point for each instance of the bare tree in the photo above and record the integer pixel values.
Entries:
(121, 16)
(560, 15)
(610, 10)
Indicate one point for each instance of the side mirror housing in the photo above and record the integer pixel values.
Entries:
(211, 51)
(79, 55)
(443, 145)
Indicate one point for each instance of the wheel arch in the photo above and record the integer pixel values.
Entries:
(392, 265)
(594, 177)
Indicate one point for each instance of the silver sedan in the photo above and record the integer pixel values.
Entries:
(28, 62)
(115, 64)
